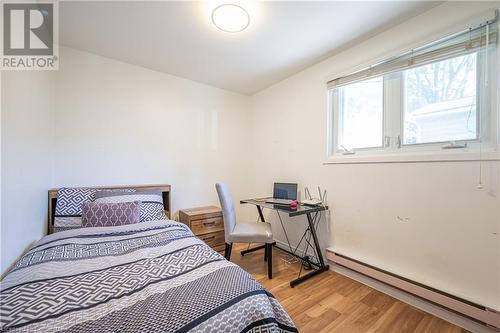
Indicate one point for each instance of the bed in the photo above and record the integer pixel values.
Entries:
(153, 276)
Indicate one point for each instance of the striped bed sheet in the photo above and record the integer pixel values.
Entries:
(147, 277)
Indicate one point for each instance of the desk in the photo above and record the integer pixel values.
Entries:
(317, 267)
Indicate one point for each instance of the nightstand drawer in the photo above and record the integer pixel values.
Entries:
(213, 239)
(204, 226)
(206, 223)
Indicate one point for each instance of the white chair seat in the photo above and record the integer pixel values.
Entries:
(257, 232)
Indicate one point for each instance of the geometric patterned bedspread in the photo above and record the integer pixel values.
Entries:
(146, 277)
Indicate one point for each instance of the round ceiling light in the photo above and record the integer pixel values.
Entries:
(230, 18)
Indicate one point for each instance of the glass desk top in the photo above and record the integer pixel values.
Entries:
(300, 210)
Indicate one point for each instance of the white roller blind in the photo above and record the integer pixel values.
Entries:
(452, 46)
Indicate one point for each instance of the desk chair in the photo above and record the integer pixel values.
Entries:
(244, 232)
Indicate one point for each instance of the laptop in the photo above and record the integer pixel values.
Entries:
(283, 194)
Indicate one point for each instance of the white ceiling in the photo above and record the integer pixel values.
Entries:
(178, 37)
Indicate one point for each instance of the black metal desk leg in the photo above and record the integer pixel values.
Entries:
(322, 267)
(259, 209)
(315, 239)
(309, 275)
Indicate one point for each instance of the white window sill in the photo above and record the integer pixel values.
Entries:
(415, 157)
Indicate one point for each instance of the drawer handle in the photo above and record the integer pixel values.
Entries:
(208, 238)
(209, 223)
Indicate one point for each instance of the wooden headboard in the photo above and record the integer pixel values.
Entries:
(164, 189)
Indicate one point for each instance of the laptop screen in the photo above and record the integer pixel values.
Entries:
(285, 191)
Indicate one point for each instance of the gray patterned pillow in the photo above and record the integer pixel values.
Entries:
(68, 213)
(98, 214)
(151, 203)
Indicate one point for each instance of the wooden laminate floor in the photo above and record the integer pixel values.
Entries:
(331, 302)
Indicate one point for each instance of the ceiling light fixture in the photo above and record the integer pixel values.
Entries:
(230, 18)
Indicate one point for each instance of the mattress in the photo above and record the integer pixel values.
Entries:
(147, 277)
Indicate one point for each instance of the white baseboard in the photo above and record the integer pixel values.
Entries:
(417, 302)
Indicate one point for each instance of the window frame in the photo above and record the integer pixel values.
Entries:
(484, 146)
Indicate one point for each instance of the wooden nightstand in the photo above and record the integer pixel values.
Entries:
(206, 223)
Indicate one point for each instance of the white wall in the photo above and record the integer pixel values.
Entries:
(122, 124)
(451, 240)
(27, 141)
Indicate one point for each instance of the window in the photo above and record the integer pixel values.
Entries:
(440, 101)
(361, 114)
(437, 98)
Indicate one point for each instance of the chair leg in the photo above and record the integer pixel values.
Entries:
(269, 248)
(253, 249)
(227, 251)
(265, 253)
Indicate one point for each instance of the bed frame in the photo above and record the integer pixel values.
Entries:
(163, 188)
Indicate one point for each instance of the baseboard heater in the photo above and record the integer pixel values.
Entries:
(474, 311)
